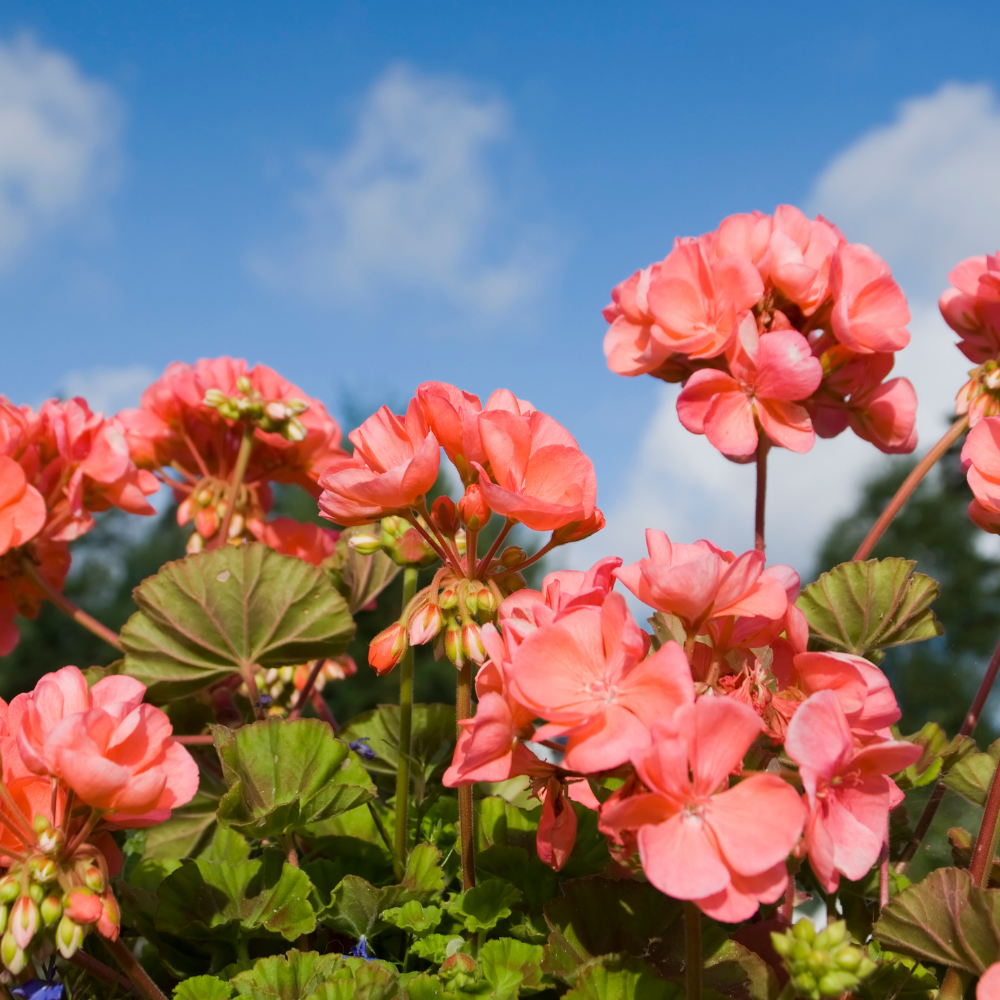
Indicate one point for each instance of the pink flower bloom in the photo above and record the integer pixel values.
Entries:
(697, 297)
(305, 541)
(724, 848)
(699, 582)
(981, 458)
(537, 473)
(988, 987)
(396, 461)
(972, 307)
(635, 344)
(799, 257)
(870, 311)
(114, 752)
(588, 675)
(848, 792)
(557, 827)
(19, 596)
(768, 373)
(22, 507)
(453, 416)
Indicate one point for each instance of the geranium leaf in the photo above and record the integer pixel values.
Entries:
(203, 988)
(235, 609)
(509, 965)
(413, 917)
(939, 756)
(282, 776)
(436, 947)
(357, 979)
(944, 919)
(622, 979)
(190, 826)
(485, 905)
(360, 578)
(862, 607)
(423, 872)
(972, 776)
(213, 898)
(292, 976)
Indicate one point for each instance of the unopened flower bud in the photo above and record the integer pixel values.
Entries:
(468, 594)
(453, 643)
(244, 385)
(10, 888)
(51, 910)
(215, 398)
(42, 870)
(52, 841)
(195, 544)
(111, 920)
(472, 643)
(277, 411)
(82, 906)
(36, 892)
(460, 970)
(4, 914)
(512, 556)
(365, 544)
(473, 509)
(426, 624)
(822, 965)
(41, 823)
(576, 531)
(445, 516)
(404, 544)
(236, 526)
(206, 521)
(69, 937)
(486, 601)
(387, 648)
(13, 956)
(460, 543)
(93, 879)
(24, 921)
(448, 598)
(294, 430)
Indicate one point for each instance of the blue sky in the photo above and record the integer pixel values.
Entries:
(367, 196)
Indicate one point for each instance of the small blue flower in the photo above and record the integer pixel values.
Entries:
(264, 700)
(361, 748)
(38, 989)
(360, 950)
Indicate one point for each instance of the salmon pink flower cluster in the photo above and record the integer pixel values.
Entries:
(76, 765)
(58, 466)
(779, 329)
(197, 424)
(730, 677)
(513, 460)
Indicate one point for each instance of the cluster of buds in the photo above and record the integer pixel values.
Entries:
(824, 964)
(273, 416)
(280, 685)
(206, 506)
(51, 901)
(980, 396)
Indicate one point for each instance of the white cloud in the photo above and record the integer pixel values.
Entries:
(107, 390)
(58, 143)
(411, 203)
(922, 192)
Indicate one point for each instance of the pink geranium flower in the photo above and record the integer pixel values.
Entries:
(22, 507)
(635, 344)
(769, 372)
(724, 848)
(696, 298)
(453, 416)
(848, 791)
(800, 255)
(981, 458)
(396, 461)
(988, 987)
(870, 311)
(303, 540)
(113, 751)
(537, 473)
(972, 307)
(700, 582)
(589, 676)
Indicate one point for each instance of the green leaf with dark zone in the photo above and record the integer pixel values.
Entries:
(283, 776)
(501, 823)
(217, 899)
(207, 616)
(421, 986)
(938, 758)
(293, 976)
(944, 919)
(972, 776)
(537, 881)
(413, 917)
(862, 607)
(482, 907)
(600, 916)
(358, 577)
(358, 979)
(617, 978)
(510, 966)
(203, 988)
(431, 746)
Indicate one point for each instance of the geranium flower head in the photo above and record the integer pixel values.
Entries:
(870, 312)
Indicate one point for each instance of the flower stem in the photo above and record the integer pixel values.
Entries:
(100, 971)
(67, 607)
(303, 695)
(405, 730)
(692, 942)
(463, 710)
(953, 985)
(380, 826)
(239, 471)
(131, 967)
(968, 727)
(985, 848)
(911, 482)
(763, 447)
(484, 563)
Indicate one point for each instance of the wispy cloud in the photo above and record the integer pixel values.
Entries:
(58, 143)
(107, 390)
(412, 203)
(922, 192)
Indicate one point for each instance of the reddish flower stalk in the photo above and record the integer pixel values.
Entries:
(762, 449)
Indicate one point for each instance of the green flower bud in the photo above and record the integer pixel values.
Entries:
(42, 870)
(69, 937)
(244, 385)
(10, 888)
(365, 544)
(51, 909)
(4, 911)
(93, 879)
(40, 824)
(215, 398)
(512, 556)
(36, 892)
(11, 955)
(822, 965)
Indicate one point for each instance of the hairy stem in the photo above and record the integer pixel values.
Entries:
(463, 710)
(322, 709)
(692, 942)
(239, 471)
(953, 985)
(471, 552)
(67, 607)
(986, 841)
(100, 971)
(968, 727)
(911, 482)
(195, 741)
(303, 695)
(131, 967)
(484, 563)
(763, 447)
(405, 731)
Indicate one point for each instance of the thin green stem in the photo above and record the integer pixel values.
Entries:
(912, 481)
(692, 945)
(463, 710)
(405, 730)
(239, 471)
(67, 607)
(380, 826)
(763, 447)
